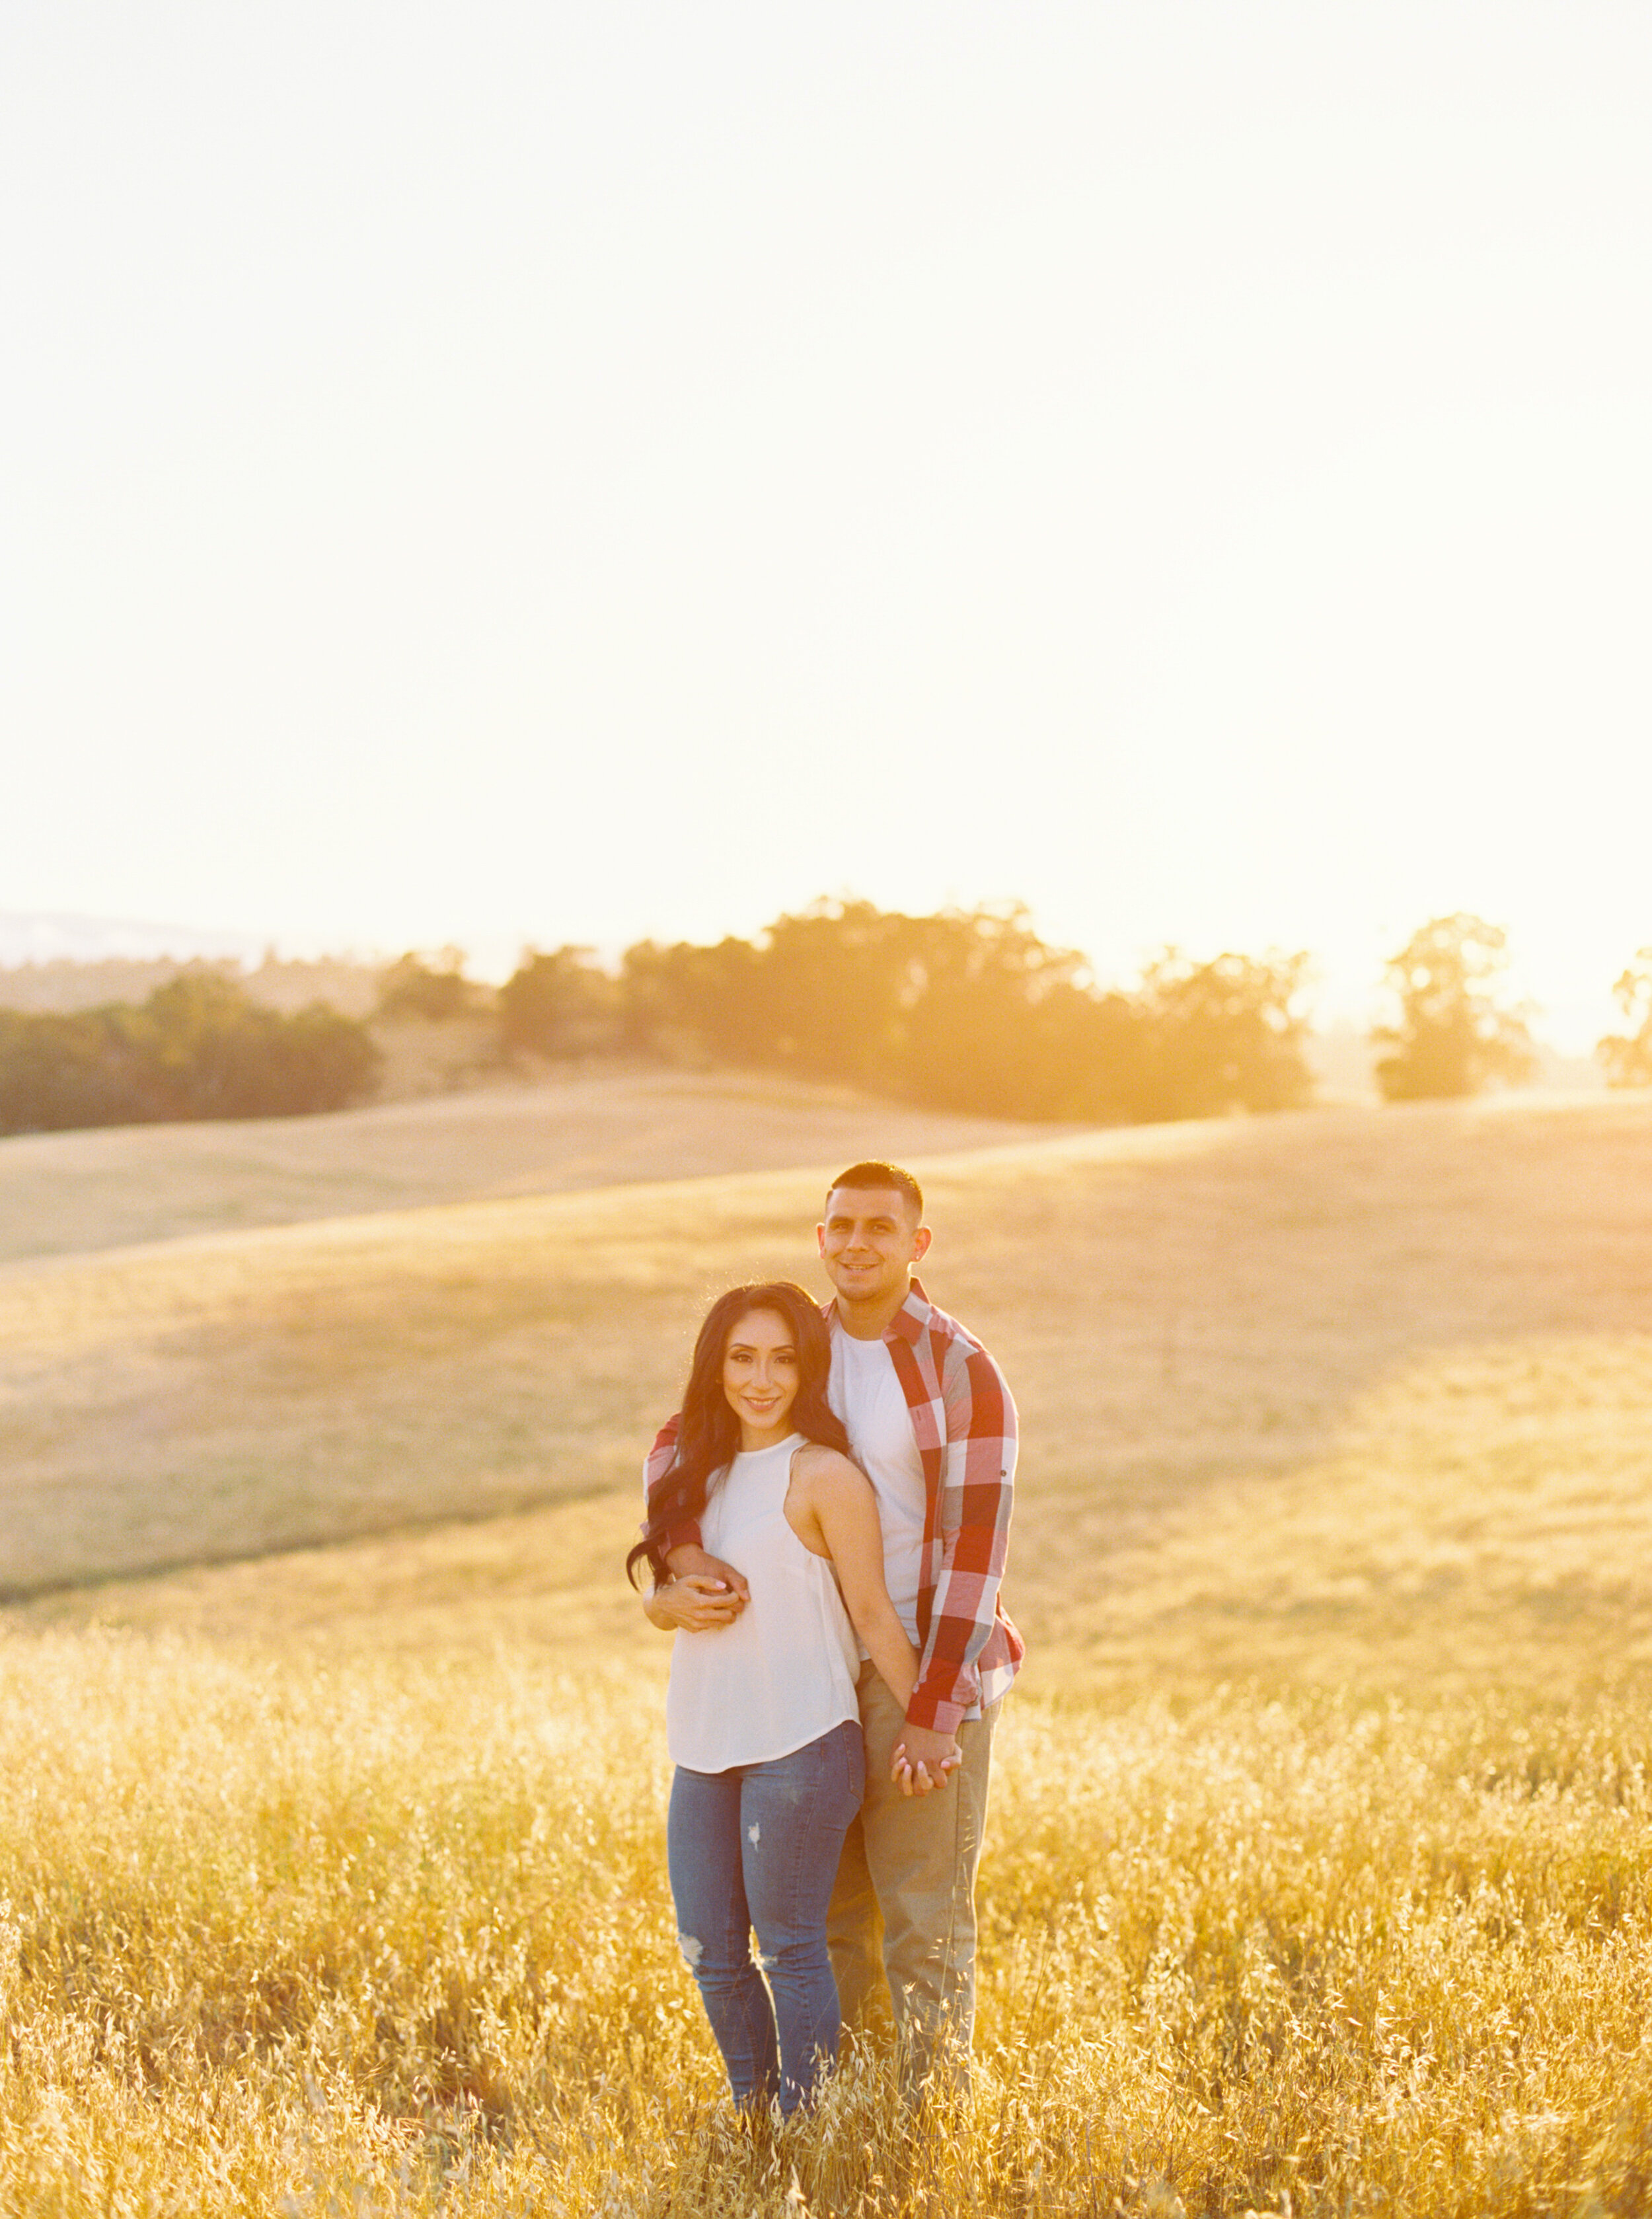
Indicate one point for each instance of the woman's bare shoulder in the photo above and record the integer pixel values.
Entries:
(821, 1466)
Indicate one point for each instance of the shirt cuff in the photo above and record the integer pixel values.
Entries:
(937, 1712)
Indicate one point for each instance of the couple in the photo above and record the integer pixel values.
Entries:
(830, 1477)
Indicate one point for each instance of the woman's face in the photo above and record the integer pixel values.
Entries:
(760, 1377)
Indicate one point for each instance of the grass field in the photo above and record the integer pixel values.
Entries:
(331, 1876)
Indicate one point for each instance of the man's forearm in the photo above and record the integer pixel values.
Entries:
(656, 1467)
(963, 1610)
(976, 1493)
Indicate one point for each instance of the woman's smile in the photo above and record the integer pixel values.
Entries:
(760, 1377)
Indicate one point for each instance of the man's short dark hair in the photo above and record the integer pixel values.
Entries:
(862, 1176)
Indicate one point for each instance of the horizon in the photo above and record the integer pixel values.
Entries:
(40, 939)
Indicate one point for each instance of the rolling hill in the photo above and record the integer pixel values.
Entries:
(1342, 1391)
(75, 1192)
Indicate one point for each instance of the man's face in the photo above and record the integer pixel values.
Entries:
(869, 1243)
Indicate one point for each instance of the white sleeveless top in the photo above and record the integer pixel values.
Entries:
(783, 1673)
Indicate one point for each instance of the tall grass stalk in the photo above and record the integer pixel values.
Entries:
(307, 1932)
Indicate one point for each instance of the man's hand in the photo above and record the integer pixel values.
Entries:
(923, 1759)
(691, 1559)
(696, 1603)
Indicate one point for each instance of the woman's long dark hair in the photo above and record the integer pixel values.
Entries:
(708, 1432)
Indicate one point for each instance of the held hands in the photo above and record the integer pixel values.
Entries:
(922, 1759)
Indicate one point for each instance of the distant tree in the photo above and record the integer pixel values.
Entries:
(1453, 1036)
(322, 1059)
(1090, 1058)
(993, 1016)
(62, 1069)
(436, 989)
(558, 1004)
(946, 1010)
(1223, 1035)
(1628, 1056)
(206, 1050)
(835, 985)
(690, 1004)
(199, 1043)
(197, 1047)
(970, 1011)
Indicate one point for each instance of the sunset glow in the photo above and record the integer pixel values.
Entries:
(569, 475)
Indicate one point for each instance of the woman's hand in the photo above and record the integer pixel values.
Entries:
(694, 1604)
(922, 1759)
(688, 1556)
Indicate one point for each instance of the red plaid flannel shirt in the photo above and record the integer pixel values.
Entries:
(965, 1423)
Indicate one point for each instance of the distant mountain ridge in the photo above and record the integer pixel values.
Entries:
(59, 936)
(61, 962)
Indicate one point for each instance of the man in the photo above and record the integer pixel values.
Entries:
(931, 1421)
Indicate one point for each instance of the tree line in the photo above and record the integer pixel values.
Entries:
(969, 1009)
(965, 1009)
(198, 1045)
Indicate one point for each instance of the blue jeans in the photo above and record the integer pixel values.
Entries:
(757, 1846)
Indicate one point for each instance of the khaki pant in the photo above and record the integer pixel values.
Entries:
(907, 1876)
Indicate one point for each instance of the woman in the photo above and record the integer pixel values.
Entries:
(761, 1716)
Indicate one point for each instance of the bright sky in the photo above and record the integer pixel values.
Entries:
(526, 470)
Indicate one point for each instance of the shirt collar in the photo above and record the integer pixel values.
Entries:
(910, 1322)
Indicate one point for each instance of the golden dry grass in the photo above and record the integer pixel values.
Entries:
(301, 1935)
(1320, 1875)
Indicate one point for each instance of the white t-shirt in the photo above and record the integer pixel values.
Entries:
(867, 1394)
